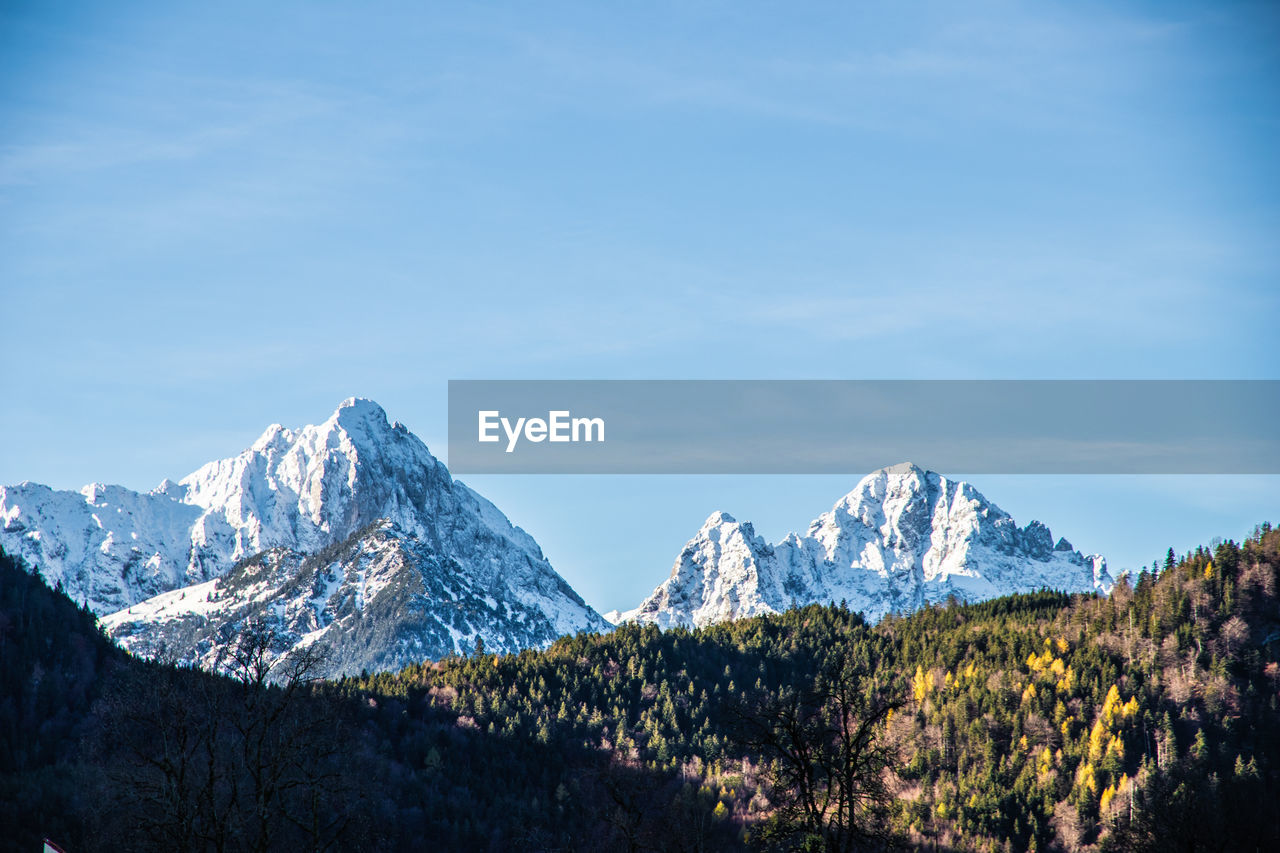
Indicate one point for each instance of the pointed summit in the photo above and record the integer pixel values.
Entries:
(361, 405)
(903, 470)
(718, 518)
(717, 576)
(902, 480)
(272, 435)
(360, 413)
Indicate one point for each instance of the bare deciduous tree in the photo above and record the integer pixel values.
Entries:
(830, 768)
(252, 763)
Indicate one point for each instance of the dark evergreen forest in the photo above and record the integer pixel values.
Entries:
(1148, 720)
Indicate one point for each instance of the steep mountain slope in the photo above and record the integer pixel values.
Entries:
(338, 508)
(902, 539)
(379, 600)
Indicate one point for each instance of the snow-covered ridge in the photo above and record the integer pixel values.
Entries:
(902, 539)
(300, 490)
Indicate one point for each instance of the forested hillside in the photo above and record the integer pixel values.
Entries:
(1145, 721)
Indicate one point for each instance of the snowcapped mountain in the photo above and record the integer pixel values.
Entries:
(902, 539)
(348, 531)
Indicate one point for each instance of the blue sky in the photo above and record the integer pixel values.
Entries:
(218, 216)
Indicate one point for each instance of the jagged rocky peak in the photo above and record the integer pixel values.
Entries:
(904, 537)
(722, 530)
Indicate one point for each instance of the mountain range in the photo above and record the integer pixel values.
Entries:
(350, 538)
(904, 538)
